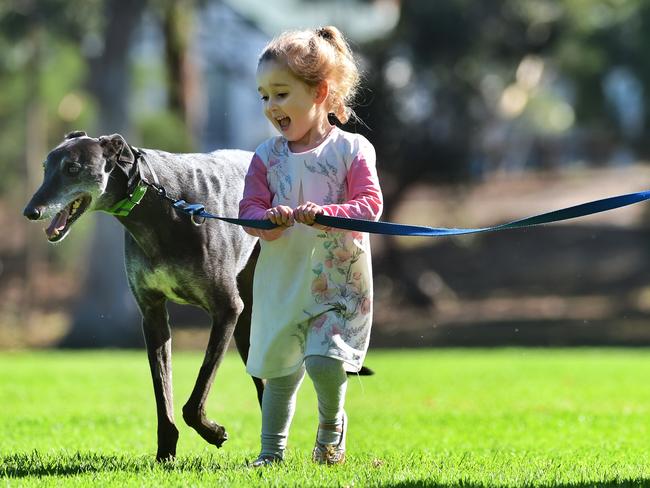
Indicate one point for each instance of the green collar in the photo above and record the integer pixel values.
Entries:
(123, 207)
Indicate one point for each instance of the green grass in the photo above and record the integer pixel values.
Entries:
(428, 418)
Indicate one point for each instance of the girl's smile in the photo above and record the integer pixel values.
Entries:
(295, 109)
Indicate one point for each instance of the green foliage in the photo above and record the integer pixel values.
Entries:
(61, 95)
(428, 418)
(164, 131)
(67, 19)
(41, 66)
(451, 80)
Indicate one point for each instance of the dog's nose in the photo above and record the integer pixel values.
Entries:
(32, 213)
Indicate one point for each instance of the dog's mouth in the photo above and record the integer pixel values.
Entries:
(62, 221)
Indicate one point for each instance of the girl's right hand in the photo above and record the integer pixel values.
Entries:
(280, 215)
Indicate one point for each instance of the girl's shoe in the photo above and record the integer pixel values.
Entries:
(265, 460)
(331, 453)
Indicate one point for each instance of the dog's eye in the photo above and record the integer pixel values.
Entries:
(73, 168)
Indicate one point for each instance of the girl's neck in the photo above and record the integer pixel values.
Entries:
(313, 138)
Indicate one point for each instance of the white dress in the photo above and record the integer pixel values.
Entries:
(312, 292)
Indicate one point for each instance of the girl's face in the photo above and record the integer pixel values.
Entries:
(294, 108)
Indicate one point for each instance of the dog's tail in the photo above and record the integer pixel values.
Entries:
(362, 372)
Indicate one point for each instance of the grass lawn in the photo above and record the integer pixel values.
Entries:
(513, 417)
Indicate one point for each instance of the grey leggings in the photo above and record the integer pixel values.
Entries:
(279, 400)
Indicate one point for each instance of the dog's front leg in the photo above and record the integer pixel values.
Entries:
(228, 306)
(157, 334)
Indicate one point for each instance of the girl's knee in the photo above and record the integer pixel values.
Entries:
(283, 384)
(324, 368)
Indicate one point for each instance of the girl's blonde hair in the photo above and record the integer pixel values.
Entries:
(317, 55)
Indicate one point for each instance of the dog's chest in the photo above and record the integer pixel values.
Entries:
(175, 284)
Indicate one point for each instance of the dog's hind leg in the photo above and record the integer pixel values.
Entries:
(243, 328)
(242, 340)
(228, 306)
(157, 334)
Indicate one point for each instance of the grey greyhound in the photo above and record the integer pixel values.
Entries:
(167, 256)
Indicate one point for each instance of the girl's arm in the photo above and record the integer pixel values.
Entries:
(257, 199)
(366, 200)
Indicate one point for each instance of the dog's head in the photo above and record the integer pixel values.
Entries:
(76, 175)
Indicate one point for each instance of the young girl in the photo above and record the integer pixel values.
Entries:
(312, 294)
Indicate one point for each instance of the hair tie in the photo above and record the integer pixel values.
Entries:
(324, 33)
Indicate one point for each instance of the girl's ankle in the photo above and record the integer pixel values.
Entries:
(329, 434)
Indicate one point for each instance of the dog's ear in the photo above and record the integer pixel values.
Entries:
(75, 134)
(116, 151)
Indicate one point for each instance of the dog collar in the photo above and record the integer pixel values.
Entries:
(123, 207)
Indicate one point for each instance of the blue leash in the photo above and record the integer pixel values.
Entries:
(389, 228)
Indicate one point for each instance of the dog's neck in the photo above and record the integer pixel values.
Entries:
(147, 219)
(126, 185)
(117, 188)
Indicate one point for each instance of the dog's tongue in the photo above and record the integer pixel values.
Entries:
(57, 224)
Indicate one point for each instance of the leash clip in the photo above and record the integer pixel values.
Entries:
(193, 210)
(198, 224)
(160, 189)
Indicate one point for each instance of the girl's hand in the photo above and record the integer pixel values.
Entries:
(306, 213)
(280, 215)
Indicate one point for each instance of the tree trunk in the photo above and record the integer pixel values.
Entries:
(184, 90)
(35, 151)
(106, 314)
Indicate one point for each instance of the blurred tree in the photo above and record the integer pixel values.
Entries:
(602, 48)
(33, 37)
(36, 39)
(35, 149)
(106, 314)
(463, 88)
(182, 70)
(177, 125)
(428, 82)
(459, 88)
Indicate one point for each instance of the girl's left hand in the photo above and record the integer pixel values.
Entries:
(306, 213)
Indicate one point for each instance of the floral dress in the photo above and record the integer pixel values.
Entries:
(312, 291)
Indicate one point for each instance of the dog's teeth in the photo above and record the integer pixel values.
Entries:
(75, 206)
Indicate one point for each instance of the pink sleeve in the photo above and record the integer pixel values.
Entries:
(365, 198)
(257, 199)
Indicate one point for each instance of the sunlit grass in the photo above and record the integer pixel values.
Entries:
(429, 417)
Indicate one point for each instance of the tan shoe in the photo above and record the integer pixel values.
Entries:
(331, 453)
